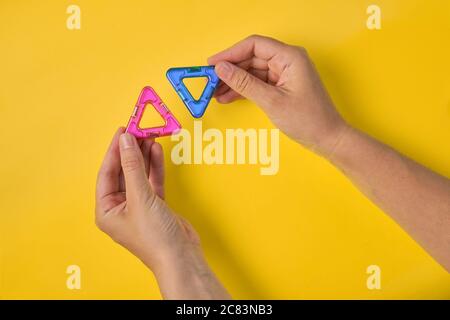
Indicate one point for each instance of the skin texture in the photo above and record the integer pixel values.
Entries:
(282, 80)
(130, 208)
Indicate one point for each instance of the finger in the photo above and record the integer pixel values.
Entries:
(261, 74)
(246, 84)
(133, 167)
(157, 170)
(221, 89)
(254, 63)
(109, 173)
(273, 77)
(145, 149)
(253, 46)
(228, 97)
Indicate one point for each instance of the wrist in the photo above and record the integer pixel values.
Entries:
(184, 273)
(344, 146)
(331, 139)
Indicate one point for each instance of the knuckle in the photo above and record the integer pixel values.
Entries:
(262, 39)
(296, 50)
(243, 82)
(130, 163)
(254, 37)
(302, 52)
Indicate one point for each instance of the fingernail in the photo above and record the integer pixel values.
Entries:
(126, 141)
(224, 70)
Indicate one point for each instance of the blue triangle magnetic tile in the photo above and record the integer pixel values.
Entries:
(196, 107)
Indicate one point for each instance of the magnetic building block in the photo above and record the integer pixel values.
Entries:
(149, 96)
(196, 107)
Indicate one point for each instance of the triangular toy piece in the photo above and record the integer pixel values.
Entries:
(196, 107)
(148, 95)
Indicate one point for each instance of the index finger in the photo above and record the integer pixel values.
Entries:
(254, 46)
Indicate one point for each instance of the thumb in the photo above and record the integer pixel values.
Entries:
(246, 84)
(133, 167)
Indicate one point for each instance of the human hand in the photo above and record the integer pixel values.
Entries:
(282, 80)
(131, 210)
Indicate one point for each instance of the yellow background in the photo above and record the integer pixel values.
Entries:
(303, 233)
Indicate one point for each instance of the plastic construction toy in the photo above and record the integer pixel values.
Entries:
(148, 95)
(196, 107)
